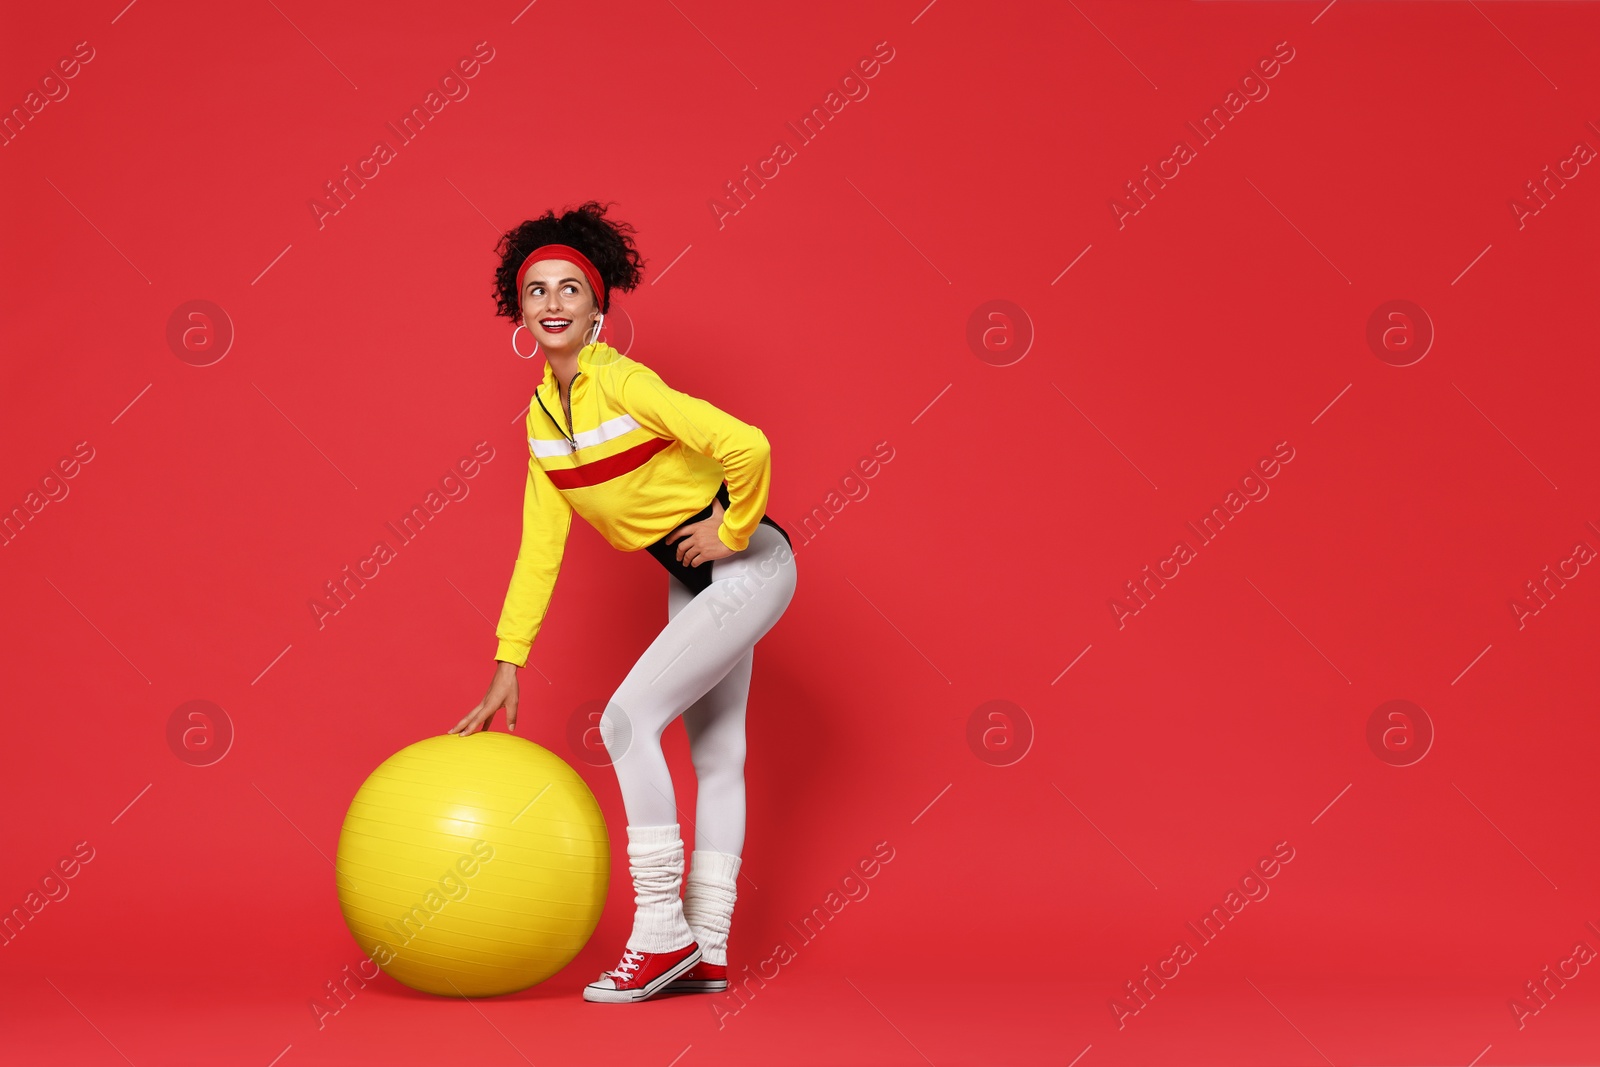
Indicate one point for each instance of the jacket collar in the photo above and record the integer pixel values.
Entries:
(590, 357)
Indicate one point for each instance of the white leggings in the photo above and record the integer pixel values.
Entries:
(698, 666)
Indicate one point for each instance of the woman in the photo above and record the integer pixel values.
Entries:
(653, 468)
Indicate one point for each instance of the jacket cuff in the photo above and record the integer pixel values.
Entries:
(513, 651)
(725, 535)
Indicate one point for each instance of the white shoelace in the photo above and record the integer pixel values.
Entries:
(630, 962)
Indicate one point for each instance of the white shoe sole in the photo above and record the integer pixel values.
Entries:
(698, 985)
(602, 995)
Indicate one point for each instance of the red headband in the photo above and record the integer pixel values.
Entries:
(555, 251)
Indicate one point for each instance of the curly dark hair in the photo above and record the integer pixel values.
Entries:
(607, 243)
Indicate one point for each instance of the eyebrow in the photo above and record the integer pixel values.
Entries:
(535, 281)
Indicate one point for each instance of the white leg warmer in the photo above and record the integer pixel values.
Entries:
(708, 903)
(655, 859)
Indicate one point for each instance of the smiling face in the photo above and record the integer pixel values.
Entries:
(558, 305)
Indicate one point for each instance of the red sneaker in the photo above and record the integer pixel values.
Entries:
(703, 977)
(641, 975)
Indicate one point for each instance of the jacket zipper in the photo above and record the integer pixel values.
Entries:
(566, 435)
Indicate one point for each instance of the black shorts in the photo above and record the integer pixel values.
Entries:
(697, 578)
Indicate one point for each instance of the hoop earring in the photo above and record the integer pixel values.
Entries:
(535, 351)
(600, 322)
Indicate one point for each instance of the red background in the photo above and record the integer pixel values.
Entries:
(833, 311)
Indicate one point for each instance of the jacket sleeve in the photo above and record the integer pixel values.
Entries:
(546, 521)
(742, 449)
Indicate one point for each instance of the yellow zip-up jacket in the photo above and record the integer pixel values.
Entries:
(647, 457)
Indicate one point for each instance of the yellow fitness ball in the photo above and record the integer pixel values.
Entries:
(473, 866)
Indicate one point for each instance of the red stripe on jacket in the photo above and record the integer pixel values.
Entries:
(603, 470)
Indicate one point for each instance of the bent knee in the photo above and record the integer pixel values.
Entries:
(616, 730)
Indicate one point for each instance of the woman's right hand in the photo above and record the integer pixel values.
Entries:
(502, 693)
